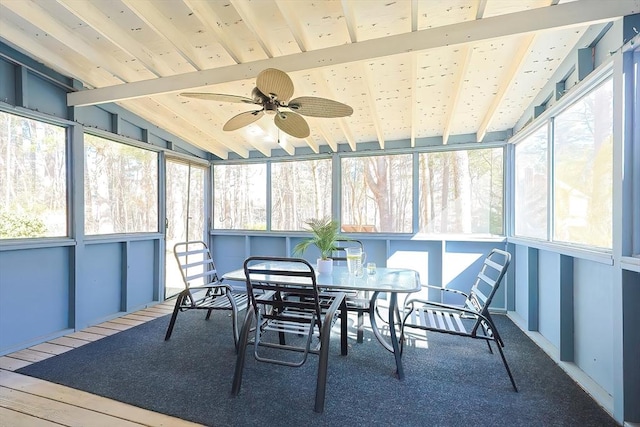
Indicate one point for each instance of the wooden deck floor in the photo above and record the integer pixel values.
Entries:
(27, 401)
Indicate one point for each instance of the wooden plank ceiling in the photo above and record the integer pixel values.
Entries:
(410, 69)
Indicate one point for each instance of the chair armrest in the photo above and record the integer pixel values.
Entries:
(212, 285)
(338, 300)
(447, 307)
(440, 288)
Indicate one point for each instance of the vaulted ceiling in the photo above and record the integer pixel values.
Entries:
(411, 69)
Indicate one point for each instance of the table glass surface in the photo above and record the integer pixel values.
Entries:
(385, 280)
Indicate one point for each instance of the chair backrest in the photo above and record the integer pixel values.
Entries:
(340, 253)
(290, 284)
(488, 280)
(196, 264)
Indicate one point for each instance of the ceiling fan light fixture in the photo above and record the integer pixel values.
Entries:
(270, 109)
(273, 91)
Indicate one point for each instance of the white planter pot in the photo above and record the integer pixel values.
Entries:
(324, 266)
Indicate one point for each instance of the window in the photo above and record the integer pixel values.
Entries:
(33, 178)
(120, 188)
(377, 194)
(239, 193)
(299, 191)
(462, 191)
(583, 177)
(531, 184)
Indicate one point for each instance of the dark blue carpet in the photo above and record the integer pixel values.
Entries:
(453, 382)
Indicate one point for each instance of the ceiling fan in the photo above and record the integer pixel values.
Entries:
(273, 92)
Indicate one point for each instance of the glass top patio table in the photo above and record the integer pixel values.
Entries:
(385, 280)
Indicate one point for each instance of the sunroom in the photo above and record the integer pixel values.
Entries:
(475, 125)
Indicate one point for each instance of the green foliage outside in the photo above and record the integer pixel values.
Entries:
(14, 226)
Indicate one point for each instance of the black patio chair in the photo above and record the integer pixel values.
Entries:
(289, 317)
(472, 319)
(203, 289)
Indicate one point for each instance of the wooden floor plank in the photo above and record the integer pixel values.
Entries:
(100, 331)
(46, 347)
(11, 418)
(11, 364)
(90, 401)
(63, 413)
(116, 326)
(70, 342)
(30, 355)
(84, 335)
(151, 313)
(138, 316)
(125, 321)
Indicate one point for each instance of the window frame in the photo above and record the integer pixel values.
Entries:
(578, 92)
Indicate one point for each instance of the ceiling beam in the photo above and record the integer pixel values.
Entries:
(41, 18)
(373, 112)
(259, 30)
(164, 27)
(414, 97)
(294, 24)
(507, 80)
(325, 90)
(350, 20)
(203, 11)
(327, 136)
(465, 54)
(561, 16)
(109, 30)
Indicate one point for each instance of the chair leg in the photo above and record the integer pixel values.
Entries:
(343, 329)
(234, 319)
(323, 362)
(174, 315)
(360, 332)
(506, 365)
(242, 351)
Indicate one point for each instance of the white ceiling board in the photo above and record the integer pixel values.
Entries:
(462, 33)
(415, 85)
(488, 68)
(433, 14)
(321, 22)
(548, 52)
(436, 72)
(376, 19)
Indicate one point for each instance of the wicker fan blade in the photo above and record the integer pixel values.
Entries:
(319, 107)
(276, 83)
(293, 124)
(218, 97)
(243, 119)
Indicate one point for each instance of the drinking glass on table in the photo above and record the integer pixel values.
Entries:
(355, 261)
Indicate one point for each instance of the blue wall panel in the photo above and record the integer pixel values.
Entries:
(129, 129)
(228, 252)
(375, 250)
(522, 281)
(140, 273)
(549, 287)
(7, 82)
(269, 246)
(34, 294)
(100, 288)
(94, 117)
(421, 255)
(593, 299)
(44, 96)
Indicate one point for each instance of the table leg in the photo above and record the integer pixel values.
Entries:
(393, 306)
(394, 347)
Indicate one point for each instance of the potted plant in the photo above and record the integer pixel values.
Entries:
(325, 233)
